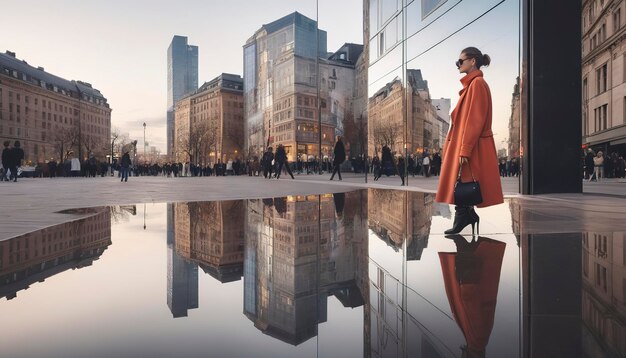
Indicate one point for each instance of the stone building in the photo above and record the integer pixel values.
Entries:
(604, 75)
(209, 122)
(49, 115)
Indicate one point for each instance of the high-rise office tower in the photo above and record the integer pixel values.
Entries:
(182, 78)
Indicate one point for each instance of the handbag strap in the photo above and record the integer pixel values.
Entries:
(458, 178)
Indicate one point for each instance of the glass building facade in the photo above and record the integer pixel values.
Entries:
(281, 89)
(182, 78)
(413, 83)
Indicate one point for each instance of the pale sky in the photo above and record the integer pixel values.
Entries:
(121, 47)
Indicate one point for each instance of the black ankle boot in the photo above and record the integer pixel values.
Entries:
(463, 216)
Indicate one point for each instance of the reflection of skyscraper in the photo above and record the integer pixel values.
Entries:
(299, 250)
(31, 258)
(182, 276)
(182, 78)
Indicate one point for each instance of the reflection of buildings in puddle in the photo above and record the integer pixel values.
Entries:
(400, 321)
(299, 250)
(442, 209)
(515, 207)
(396, 215)
(36, 256)
(205, 234)
(212, 235)
(471, 278)
(182, 275)
(604, 294)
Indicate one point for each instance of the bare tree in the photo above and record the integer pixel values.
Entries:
(91, 144)
(64, 140)
(387, 133)
(212, 139)
(201, 138)
(234, 135)
(115, 134)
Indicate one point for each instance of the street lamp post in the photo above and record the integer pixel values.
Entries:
(144, 141)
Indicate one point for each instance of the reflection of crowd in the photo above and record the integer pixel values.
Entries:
(424, 164)
(509, 167)
(597, 165)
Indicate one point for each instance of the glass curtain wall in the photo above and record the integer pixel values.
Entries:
(413, 82)
(413, 86)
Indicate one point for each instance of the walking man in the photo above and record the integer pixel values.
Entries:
(340, 157)
(6, 160)
(268, 157)
(125, 166)
(17, 155)
(281, 158)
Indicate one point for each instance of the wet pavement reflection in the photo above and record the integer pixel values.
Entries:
(361, 273)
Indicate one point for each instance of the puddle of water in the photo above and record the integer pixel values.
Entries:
(361, 273)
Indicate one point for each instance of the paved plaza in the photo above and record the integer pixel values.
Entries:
(33, 204)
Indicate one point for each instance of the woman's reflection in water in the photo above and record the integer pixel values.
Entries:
(471, 277)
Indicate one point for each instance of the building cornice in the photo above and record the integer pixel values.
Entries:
(600, 16)
(613, 40)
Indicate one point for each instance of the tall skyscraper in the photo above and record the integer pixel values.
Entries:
(182, 78)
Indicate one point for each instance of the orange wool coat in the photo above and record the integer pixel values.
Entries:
(470, 136)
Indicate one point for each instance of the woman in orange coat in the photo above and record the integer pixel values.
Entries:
(469, 143)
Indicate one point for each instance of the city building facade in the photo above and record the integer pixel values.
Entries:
(514, 124)
(49, 115)
(421, 127)
(182, 78)
(604, 75)
(281, 61)
(208, 124)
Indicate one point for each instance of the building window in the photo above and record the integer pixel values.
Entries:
(600, 116)
(602, 33)
(617, 20)
(601, 79)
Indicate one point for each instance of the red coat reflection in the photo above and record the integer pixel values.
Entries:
(471, 277)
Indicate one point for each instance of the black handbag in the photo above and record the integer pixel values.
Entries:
(467, 194)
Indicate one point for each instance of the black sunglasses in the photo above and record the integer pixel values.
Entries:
(460, 61)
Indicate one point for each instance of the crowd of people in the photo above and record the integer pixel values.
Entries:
(12, 158)
(509, 167)
(270, 165)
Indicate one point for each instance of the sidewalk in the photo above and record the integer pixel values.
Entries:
(34, 203)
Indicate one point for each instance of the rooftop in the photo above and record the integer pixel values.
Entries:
(11, 66)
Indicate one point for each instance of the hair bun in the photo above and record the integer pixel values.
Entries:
(486, 60)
